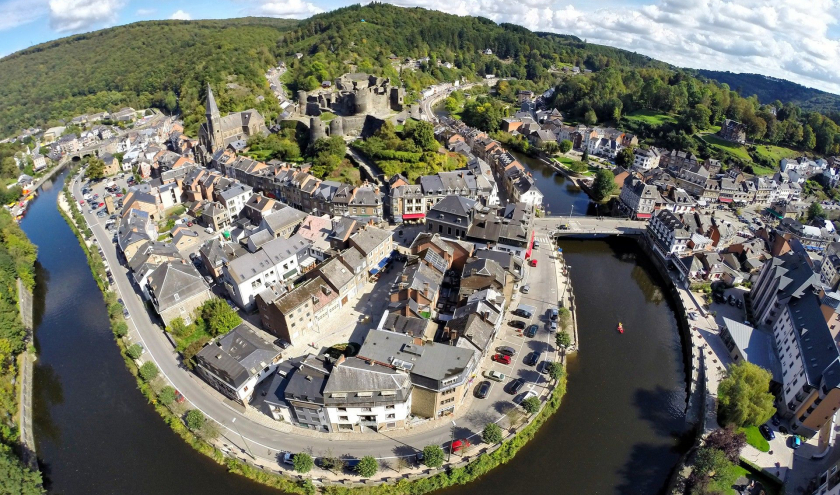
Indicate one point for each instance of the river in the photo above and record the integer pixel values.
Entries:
(618, 430)
(94, 431)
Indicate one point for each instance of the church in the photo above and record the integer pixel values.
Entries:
(218, 131)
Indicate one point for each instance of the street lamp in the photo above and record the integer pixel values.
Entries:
(451, 441)
(243, 439)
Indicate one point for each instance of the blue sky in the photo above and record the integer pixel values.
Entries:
(796, 40)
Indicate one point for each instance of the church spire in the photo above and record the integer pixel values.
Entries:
(212, 109)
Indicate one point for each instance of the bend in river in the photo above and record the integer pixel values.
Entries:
(618, 430)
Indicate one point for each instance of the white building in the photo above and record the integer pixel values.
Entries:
(667, 233)
(645, 159)
(276, 262)
(233, 199)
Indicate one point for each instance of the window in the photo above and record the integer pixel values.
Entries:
(343, 418)
(391, 416)
(389, 408)
(364, 394)
(388, 393)
(447, 401)
(345, 427)
(342, 409)
(337, 395)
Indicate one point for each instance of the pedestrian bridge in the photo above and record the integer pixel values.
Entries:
(560, 226)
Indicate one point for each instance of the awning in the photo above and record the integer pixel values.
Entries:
(374, 271)
(309, 260)
(530, 246)
(725, 200)
(413, 216)
(380, 266)
(643, 215)
(290, 273)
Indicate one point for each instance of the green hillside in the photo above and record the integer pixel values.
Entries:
(770, 89)
(163, 64)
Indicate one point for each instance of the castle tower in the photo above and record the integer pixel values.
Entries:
(337, 127)
(214, 125)
(317, 129)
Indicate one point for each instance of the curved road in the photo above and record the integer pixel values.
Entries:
(265, 442)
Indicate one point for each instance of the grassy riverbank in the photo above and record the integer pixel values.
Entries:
(173, 413)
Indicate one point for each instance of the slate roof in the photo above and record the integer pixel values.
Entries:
(354, 375)
(370, 238)
(756, 346)
(280, 219)
(173, 283)
(237, 356)
(432, 361)
(415, 327)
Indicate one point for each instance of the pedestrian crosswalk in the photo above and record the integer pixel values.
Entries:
(544, 239)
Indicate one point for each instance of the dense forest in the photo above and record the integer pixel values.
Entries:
(364, 38)
(17, 260)
(770, 89)
(693, 105)
(165, 64)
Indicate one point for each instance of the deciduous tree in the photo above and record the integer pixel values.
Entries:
(744, 397)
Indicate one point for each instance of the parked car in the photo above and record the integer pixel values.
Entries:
(552, 326)
(553, 313)
(179, 397)
(775, 420)
(531, 331)
(483, 389)
(515, 386)
(495, 375)
(766, 432)
(288, 458)
(283, 344)
(536, 244)
(526, 289)
(543, 367)
(460, 444)
(795, 442)
(526, 395)
(533, 262)
(739, 304)
(126, 314)
(506, 350)
(517, 323)
(209, 230)
(208, 279)
(501, 358)
(533, 358)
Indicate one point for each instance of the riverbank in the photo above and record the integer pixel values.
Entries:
(484, 460)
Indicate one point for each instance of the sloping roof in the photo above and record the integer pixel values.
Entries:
(415, 327)
(175, 282)
(370, 238)
(756, 346)
(280, 219)
(281, 249)
(434, 361)
(356, 375)
(237, 356)
(335, 273)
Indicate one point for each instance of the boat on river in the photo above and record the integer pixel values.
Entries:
(620, 328)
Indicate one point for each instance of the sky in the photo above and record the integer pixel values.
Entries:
(798, 40)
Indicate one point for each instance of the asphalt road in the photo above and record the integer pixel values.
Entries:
(265, 442)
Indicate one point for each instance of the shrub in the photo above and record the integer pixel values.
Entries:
(563, 339)
(303, 462)
(492, 433)
(195, 419)
(148, 371)
(367, 467)
(135, 351)
(166, 395)
(120, 329)
(531, 405)
(556, 370)
(433, 456)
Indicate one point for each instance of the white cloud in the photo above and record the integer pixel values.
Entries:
(781, 38)
(181, 15)
(294, 9)
(145, 12)
(79, 15)
(15, 13)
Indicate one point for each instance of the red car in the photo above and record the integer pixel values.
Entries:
(119, 195)
(189, 224)
(82, 202)
(179, 398)
(101, 205)
(459, 445)
(533, 262)
(501, 358)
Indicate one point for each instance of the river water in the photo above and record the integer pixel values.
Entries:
(94, 431)
(617, 431)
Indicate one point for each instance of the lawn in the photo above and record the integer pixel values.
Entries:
(733, 148)
(346, 172)
(775, 153)
(650, 117)
(771, 486)
(755, 439)
(327, 116)
(761, 170)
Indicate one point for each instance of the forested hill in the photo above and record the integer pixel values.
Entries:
(160, 63)
(769, 89)
(363, 38)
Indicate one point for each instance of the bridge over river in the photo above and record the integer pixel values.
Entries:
(589, 226)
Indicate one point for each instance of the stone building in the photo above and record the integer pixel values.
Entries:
(218, 131)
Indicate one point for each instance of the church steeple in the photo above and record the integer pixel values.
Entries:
(214, 125)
